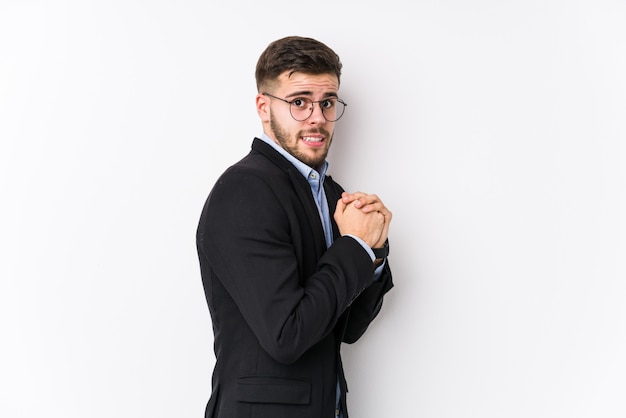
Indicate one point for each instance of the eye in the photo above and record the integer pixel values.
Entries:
(300, 102)
(327, 104)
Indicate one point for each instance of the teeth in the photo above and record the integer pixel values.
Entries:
(310, 139)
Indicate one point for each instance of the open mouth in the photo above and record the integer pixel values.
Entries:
(312, 140)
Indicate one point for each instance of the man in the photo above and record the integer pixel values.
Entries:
(291, 264)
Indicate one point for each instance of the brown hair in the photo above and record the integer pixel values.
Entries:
(295, 54)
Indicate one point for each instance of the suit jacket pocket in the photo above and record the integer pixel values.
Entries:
(257, 389)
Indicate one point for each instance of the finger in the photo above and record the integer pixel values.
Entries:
(341, 206)
(351, 197)
(370, 199)
(376, 206)
(368, 207)
(385, 232)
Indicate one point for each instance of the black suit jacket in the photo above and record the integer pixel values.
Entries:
(280, 301)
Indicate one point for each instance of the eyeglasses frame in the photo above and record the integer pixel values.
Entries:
(312, 103)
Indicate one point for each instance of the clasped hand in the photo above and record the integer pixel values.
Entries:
(363, 215)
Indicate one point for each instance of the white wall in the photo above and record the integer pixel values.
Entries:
(495, 131)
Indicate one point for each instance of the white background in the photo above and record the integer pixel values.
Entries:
(495, 132)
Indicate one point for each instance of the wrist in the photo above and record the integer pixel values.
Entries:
(381, 252)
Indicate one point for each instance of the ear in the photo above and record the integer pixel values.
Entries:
(263, 107)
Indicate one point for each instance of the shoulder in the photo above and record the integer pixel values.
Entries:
(250, 172)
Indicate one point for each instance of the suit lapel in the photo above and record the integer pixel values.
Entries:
(333, 194)
(303, 191)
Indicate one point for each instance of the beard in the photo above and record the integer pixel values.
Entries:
(282, 136)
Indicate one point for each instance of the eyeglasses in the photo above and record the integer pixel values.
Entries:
(301, 108)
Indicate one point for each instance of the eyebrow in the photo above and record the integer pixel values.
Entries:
(308, 93)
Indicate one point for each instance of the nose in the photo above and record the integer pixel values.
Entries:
(317, 115)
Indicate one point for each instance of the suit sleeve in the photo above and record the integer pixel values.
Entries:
(367, 306)
(246, 235)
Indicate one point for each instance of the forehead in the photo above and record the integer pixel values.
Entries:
(304, 82)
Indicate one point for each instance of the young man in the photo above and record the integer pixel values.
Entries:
(291, 264)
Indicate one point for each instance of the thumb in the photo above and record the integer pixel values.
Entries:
(341, 207)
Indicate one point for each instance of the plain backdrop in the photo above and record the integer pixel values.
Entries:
(494, 130)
